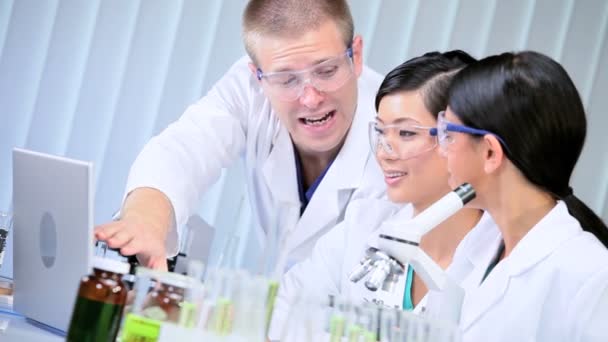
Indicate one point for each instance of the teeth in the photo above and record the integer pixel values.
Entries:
(317, 117)
(317, 121)
(394, 174)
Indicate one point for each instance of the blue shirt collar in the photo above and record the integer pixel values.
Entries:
(306, 194)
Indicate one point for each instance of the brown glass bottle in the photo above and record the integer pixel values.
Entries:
(100, 302)
(164, 301)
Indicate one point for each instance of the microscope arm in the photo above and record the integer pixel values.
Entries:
(399, 244)
(445, 296)
(401, 240)
(432, 275)
(427, 220)
(402, 243)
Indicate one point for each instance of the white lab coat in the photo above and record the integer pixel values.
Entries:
(547, 289)
(337, 253)
(235, 120)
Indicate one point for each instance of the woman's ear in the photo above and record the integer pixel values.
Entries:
(493, 153)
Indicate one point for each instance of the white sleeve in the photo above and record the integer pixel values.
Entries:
(187, 157)
(591, 311)
(316, 277)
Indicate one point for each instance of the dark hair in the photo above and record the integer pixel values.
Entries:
(430, 73)
(529, 100)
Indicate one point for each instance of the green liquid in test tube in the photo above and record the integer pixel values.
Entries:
(369, 336)
(354, 332)
(336, 328)
(223, 316)
(273, 289)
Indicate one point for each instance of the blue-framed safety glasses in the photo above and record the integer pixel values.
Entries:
(444, 128)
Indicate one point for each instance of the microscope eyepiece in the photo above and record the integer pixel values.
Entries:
(465, 192)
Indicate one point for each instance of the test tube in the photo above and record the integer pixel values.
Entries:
(390, 329)
(208, 304)
(339, 319)
(250, 308)
(421, 328)
(133, 318)
(300, 325)
(273, 290)
(193, 297)
(224, 305)
(368, 320)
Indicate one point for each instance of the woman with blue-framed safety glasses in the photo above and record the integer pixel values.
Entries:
(540, 272)
(444, 127)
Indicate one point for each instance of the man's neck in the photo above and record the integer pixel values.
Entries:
(313, 165)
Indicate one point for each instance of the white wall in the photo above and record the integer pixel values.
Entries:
(95, 79)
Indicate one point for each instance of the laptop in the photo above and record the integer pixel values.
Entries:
(53, 235)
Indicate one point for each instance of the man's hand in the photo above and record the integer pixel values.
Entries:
(142, 229)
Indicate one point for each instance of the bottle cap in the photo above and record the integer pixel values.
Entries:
(175, 279)
(111, 265)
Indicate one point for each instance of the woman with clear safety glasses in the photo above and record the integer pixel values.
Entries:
(514, 129)
(404, 140)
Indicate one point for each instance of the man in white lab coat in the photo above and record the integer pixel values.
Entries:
(296, 109)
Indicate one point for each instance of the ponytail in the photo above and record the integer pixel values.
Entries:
(589, 221)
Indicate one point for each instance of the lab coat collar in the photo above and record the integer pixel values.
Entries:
(472, 251)
(479, 248)
(346, 172)
(541, 240)
(349, 167)
(475, 245)
(279, 169)
(551, 231)
(343, 177)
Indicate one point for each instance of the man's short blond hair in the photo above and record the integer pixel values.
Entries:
(291, 18)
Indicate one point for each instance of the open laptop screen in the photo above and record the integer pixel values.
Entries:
(53, 234)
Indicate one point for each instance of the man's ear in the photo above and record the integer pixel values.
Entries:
(358, 54)
(493, 153)
(254, 71)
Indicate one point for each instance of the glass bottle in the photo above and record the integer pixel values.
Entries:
(101, 298)
(164, 302)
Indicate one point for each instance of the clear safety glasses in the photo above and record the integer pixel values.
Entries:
(327, 76)
(402, 140)
(444, 128)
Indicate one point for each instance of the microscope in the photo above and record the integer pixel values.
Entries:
(398, 245)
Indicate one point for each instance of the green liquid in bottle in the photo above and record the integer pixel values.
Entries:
(94, 321)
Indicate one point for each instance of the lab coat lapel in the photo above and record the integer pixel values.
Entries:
(537, 244)
(554, 229)
(279, 170)
(326, 206)
(484, 296)
(470, 251)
